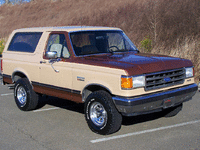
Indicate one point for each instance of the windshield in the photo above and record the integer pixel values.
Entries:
(95, 42)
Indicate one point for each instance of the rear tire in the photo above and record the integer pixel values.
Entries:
(101, 114)
(25, 98)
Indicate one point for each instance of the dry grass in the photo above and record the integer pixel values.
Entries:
(173, 25)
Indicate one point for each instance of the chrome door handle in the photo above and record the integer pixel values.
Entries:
(42, 62)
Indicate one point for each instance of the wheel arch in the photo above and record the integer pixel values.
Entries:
(17, 74)
(93, 87)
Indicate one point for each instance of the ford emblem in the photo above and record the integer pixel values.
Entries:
(167, 79)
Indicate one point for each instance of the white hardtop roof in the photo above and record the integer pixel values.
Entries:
(66, 28)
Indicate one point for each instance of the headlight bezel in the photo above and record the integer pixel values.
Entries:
(189, 72)
(133, 82)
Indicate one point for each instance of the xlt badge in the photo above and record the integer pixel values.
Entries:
(80, 78)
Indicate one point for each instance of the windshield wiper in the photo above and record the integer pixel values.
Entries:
(124, 50)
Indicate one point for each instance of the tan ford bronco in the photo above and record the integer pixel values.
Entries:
(97, 66)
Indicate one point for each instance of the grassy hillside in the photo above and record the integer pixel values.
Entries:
(169, 27)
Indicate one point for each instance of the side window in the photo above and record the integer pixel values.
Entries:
(25, 42)
(57, 42)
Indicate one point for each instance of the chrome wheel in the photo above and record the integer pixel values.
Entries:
(21, 96)
(98, 114)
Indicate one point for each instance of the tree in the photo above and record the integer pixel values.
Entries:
(153, 16)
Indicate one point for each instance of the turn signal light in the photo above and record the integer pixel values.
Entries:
(126, 82)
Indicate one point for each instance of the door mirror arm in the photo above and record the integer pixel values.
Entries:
(52, 61)
(52, 55)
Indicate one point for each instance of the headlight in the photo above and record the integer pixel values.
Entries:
(129, 82)
(138, 81)
(189, 72)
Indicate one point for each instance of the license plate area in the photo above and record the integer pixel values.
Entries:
(168, 102)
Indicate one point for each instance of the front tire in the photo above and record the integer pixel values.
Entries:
(25, 98)
(101, 114)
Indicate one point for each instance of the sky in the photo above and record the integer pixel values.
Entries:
(3, 1)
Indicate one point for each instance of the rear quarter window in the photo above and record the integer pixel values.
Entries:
(25, 42)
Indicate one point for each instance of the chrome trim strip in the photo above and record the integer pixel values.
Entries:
(134, 99)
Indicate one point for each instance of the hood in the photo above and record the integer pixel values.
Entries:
(137, 63)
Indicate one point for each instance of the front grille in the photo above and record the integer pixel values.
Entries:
(164, 79)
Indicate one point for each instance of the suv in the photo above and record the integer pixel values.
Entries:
(97, 66)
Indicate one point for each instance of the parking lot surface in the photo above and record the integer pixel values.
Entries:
(60, 125)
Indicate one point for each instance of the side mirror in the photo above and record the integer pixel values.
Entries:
(51, 55)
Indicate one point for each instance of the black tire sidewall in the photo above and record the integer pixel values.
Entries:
(24, 84)
(104, 129)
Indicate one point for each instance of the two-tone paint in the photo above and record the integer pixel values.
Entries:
(78, 76)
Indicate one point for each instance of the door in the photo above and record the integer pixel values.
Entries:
(56, 75)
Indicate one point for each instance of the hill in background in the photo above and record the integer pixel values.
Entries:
(170, 27)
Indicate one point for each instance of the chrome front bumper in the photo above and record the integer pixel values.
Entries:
(133, 106)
